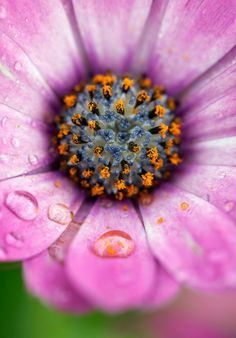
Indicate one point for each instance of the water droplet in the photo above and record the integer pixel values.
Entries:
(114, 243)
(18, 66)
(14, 240)
(15, 142)
(4, 121)
(59, 213)
(228, 206)
(33, 159)
(23, 204)
(3, 12)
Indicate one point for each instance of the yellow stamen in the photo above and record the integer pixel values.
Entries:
(120, 184)
(63, 149)
(147, 179)
(127, 83)
(142, 96)
(87, 173)
(92, 125)
(105, 172)
(107, 91)
(97, 190)
(120, 106)
(69, 100)
(163, 130)
(74, 159)
(98, 151)
(175, 159)
(160, 111)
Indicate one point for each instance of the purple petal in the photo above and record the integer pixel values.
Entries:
(43, 30)
(192, 37)
(35, 210)
(110, 30)
(221, 151)
(215, 184)
(193, 239)
(47, 279)
(25, 143)
(113, 279)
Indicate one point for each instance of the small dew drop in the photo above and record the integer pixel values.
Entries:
(3, 12)
(18, 66)
(33, 159)
(59, 213)
(14, 240)
(113, 244)
(228, 206)
(15, 142)
(22, 204)
(4, 121)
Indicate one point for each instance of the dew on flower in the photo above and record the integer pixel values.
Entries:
(118, 136)
(33, 159)
(14, 240)
(59, 213)
(22, 204)
(114, 243)
(228, 206)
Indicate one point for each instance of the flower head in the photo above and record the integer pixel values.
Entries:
(118, 135)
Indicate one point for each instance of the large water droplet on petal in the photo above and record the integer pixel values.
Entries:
(59, 213)
(114, 243)
(23, 204)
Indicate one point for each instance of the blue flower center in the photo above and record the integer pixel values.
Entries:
(118, 136)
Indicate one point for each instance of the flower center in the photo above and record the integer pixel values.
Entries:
(118, 136)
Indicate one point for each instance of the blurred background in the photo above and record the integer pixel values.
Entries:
(192, 315)
(23, 316)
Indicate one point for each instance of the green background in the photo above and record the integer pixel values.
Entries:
(23, 316)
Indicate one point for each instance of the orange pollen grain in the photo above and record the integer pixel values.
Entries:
(69, 100)
(107, 91)
(147, 179)
(152, 153)
(175, 159)
(120, 106)
(97, 190)
(127, 83)
(74, 159)
(163, 130)
(120, 184)
(160, 110)
(87, 173)
(63, 149)
(160, 220)
(184, 206)
(143, 96)
(105, 172)
(92, 125)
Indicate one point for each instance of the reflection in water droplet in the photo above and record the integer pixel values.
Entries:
(15, 142)
(114, 243)
(4, 121)
(14, 240)
(228, 206)
(59, 213)
(33, 159)
(3, 12)
(23, 204)
(18, 66)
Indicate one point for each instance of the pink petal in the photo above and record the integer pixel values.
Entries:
(112, 283)
(215, 120)
(192, 37)
(35, 210)
(193, 239)
(19, 66)
(43, 30)
(215, 184)
(47, 279)
(23, 98)
(221, 151)
(110, 30)
(214, 84)
(165, 289)
(25, 143)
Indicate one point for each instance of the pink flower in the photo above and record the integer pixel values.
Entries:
(189, 236)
